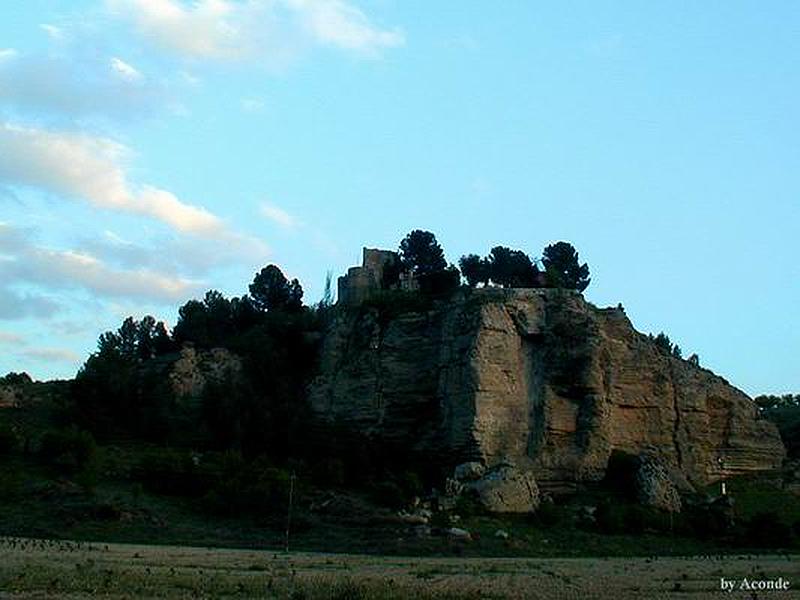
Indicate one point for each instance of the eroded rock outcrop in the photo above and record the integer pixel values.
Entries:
(14, 388)
(539, 376)
(194, 369)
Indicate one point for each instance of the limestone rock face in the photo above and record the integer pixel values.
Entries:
(194, 369)
(9, 396)
(539, 376)
(13, 389)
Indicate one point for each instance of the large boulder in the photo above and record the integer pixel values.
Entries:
(653, 485)
(501, 489)
(506, 489)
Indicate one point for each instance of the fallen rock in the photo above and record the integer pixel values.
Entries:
(469, 471)
(412, 518)
(506, 489)
(654, 487)
(458, 534)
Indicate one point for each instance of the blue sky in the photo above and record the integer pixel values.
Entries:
(153, 149)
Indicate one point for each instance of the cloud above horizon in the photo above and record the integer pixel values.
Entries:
(91, 168)
(16, 305)
(51, 354)
(257, 30)
(76, 86)
(22, 261)
(278, 216)
(88, 103)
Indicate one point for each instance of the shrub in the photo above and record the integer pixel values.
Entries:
(411, 483)
(548, 515)
(11, 483)
(440, 283)
(329, 471)
(171, 472)
(441, 520)
(767, 530)
(254, 488)
(70, 450)
(8, 439)
(388, 493)
(707, 522)
(467, 505)
(609, 518)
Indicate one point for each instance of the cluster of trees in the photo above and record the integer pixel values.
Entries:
(421, 255)
(16, 379)
(120, 390)
(769, 401)
(784, 411)
(507, 267)
(666, 346)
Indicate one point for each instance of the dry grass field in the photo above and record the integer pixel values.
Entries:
(53, 569)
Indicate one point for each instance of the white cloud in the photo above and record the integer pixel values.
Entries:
(336, 23)
(16, 305)
(91, 168)
(207, 29)
(24, 262)
(11, 338)
(125, 71)
(76, 87)
(278, 215)
(253, 30)
(194, 256)
(52, 355)
(252, 105)
(55, 33)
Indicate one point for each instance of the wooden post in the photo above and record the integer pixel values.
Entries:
(289, 511)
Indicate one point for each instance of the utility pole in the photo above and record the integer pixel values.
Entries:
(289, 512)
(722, 473)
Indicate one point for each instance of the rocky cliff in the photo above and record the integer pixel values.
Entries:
(537, 376)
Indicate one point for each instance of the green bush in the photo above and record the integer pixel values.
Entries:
(392, 303)
(11, 483)
(411, 483)
(767, 530)
(610, 517)
(548, 515)
(441, 519)
(388, 493)
(706, 522)
(255, 488)
(69, 450)
(615, 517)
(8, 439)
(467, 505)
(171, 472)
(329, 471)
(440, 283)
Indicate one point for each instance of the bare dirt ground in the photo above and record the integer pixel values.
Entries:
(51, 569)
